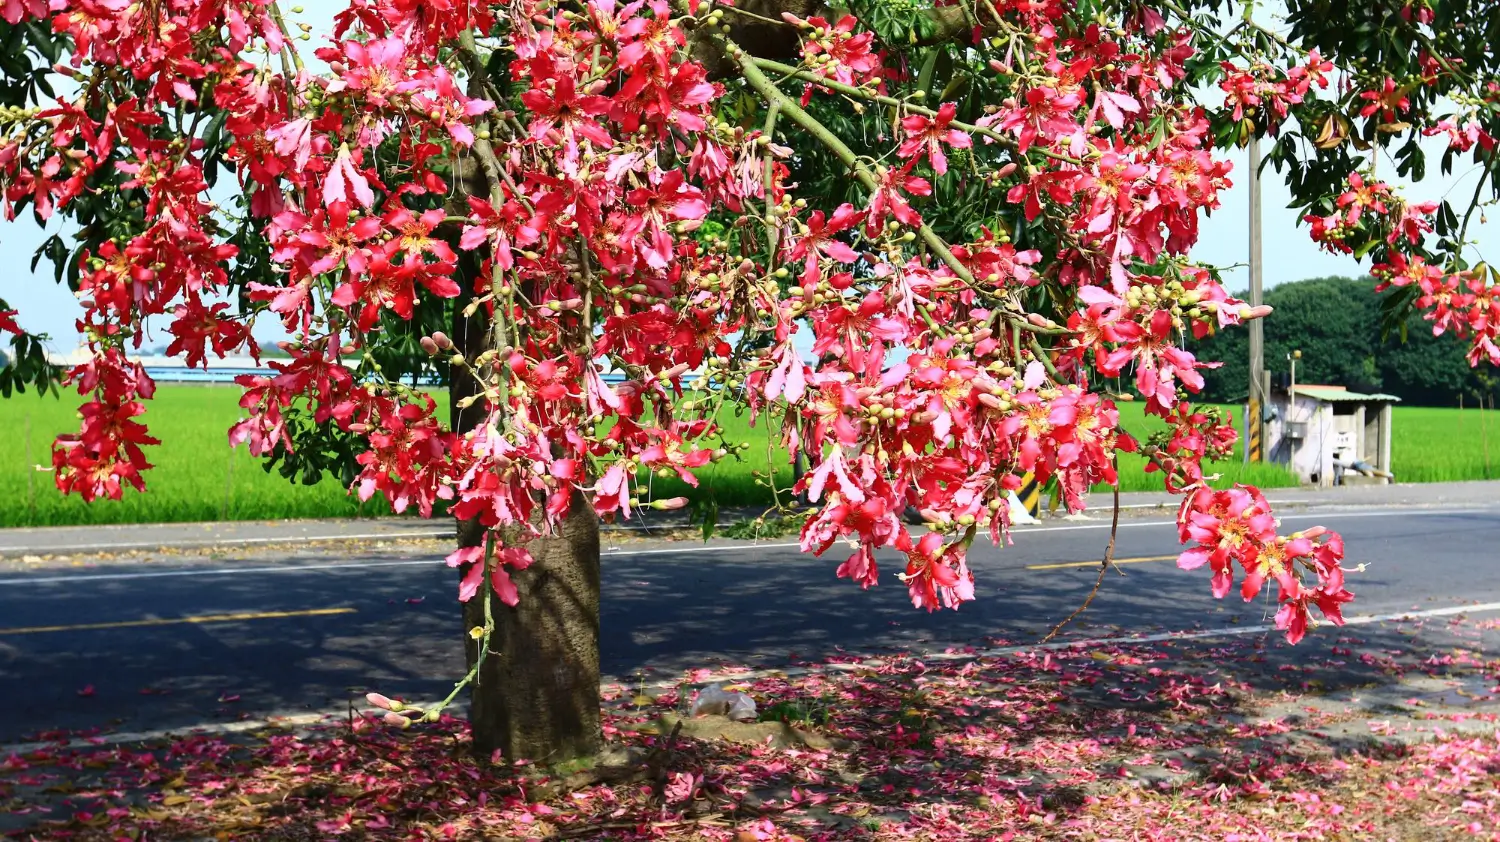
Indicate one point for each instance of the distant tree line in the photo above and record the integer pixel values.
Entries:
(1336, 323)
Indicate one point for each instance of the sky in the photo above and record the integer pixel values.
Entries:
(1288, 253)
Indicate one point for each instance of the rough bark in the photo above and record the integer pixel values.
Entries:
(537, 697)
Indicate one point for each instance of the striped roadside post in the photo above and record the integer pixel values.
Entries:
(1253, 425)
(1031, 494)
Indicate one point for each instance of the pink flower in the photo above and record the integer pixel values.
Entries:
(927, 135)
(936, 576)
(293, 139)
(344, 176)
(472, 560)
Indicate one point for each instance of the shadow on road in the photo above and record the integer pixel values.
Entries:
(661, 615)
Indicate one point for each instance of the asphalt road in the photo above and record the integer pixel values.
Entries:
(311, 629)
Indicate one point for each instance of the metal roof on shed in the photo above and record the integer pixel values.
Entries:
(1335, 394)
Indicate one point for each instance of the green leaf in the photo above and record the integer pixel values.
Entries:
(710, 518)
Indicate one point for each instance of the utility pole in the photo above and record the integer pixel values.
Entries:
(1255, 411)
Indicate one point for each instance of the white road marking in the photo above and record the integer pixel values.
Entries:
(289, 539)
(1019, 532)
(228, 542)
(1172, 504)
(297, 568)
(1318, 515)
(309, 719)
(216, 571)
(1102, 513)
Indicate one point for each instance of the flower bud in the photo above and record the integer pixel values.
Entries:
(382, 702)
(669, 503)
(396, 720)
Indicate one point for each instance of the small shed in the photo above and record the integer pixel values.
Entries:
(1328, 435)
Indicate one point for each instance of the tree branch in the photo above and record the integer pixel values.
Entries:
(1109, 559)
(1004, 140)
(782, 103)
(288, 48)
(1489, 169)
(1041, 355)
(773, 230)
(841, 150)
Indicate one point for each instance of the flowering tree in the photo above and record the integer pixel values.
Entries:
(977, 215)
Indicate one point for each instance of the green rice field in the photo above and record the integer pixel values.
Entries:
(197, 477)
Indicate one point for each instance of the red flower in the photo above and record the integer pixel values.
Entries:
(474, 557)
(319, 243)
(1389, 101)
(670, 200)
(927, 135)
(820, 239)
(344, 177)
(197, 328)
(890, 197)
(565, 111)
(936, 575)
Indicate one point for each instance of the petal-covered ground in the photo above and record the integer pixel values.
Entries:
(1159, 741)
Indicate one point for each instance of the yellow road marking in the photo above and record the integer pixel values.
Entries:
(207, 618)
(1095, 562)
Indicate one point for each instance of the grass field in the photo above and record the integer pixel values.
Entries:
(1445, 445)
(197, 477)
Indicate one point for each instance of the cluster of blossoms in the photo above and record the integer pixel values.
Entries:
(1192, 435)
(1236, 527)
(1261, 88)
(1465, 303)
(1463, 135)
(1466, 130)
(581, 206)
(838, 52)
(1368, 213)
(105, 455)
(1370, 216)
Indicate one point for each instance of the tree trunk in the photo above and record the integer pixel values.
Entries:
(537, 697)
